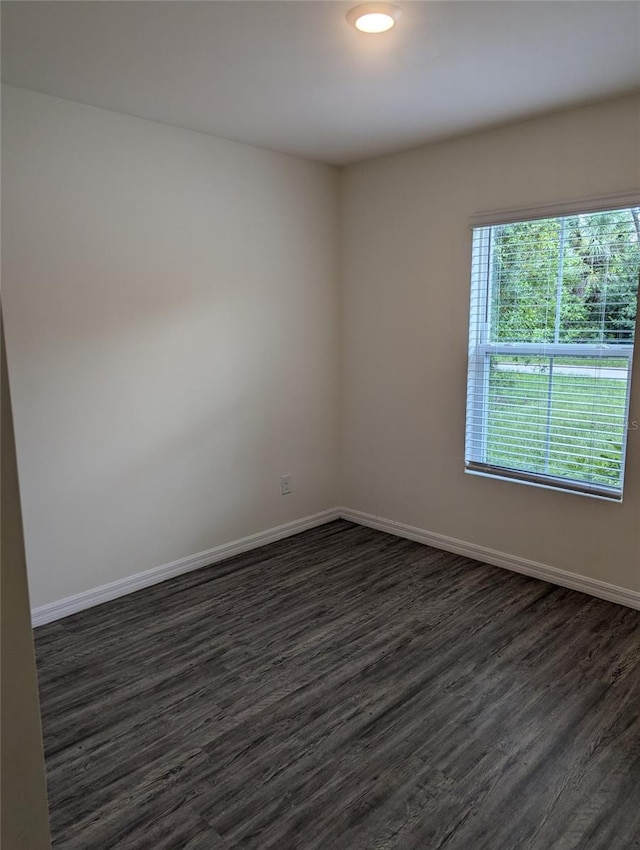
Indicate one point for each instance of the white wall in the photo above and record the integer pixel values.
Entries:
(405, 317)
(171, 317)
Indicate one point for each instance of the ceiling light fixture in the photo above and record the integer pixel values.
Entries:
(373, 17)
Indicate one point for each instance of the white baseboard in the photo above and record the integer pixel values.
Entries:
(601, 589)
(72, 604)
(138, 581)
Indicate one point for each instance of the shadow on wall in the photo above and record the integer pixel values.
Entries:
(25, 820)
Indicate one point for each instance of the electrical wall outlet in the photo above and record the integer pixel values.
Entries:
(285, 485)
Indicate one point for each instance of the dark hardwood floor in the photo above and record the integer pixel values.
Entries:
(344, 689)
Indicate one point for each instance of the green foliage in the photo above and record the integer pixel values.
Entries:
(594, 258)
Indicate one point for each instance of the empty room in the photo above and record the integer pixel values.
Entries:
(320, 427)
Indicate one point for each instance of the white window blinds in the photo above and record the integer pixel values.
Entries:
(552, 322)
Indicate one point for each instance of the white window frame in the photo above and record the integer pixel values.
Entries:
(481, 349)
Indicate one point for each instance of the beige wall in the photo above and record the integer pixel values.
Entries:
(172, 334)
(25, 819)
(178, 340)
(405, 317)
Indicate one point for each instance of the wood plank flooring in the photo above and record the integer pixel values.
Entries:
(341, 690)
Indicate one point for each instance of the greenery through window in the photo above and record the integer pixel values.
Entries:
(553, 313)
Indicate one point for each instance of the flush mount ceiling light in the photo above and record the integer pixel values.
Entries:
(373, 17)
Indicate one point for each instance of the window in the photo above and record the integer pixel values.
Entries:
(553, 313)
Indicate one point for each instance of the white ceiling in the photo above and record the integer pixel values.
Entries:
(295, 77)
